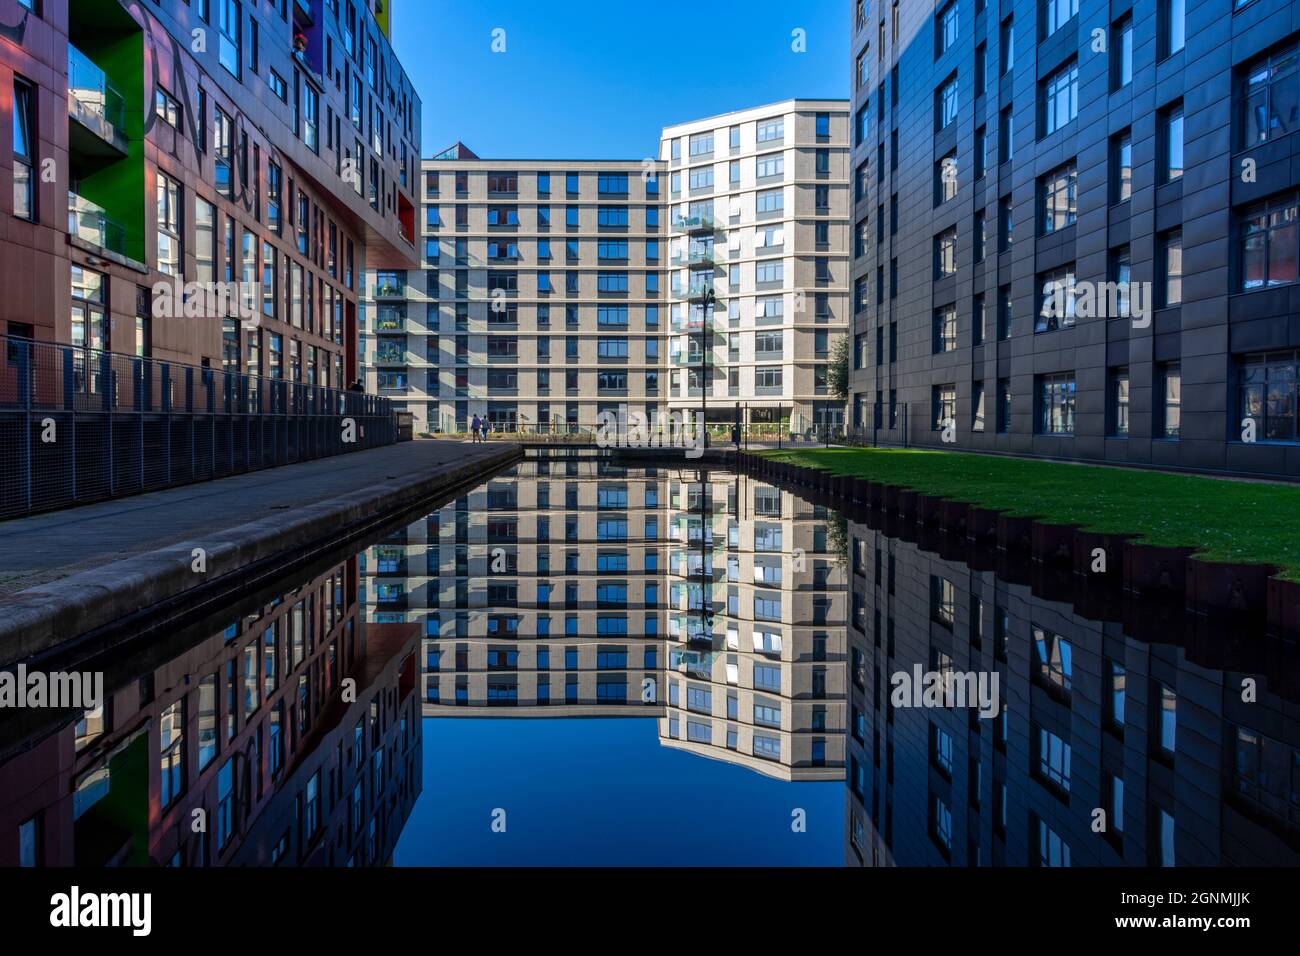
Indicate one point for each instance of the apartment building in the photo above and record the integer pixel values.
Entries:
(541, 591)
(758, 204)
(1105, 748)
(539, 304)
(546, 289)
(154, 146)
(756, 629)
(1068, 230)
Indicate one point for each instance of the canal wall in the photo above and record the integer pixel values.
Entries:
(82, 575)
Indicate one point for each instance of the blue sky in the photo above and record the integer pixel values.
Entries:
(605, 792)
(598, 80)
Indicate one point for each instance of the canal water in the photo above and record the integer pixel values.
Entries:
(580, 662)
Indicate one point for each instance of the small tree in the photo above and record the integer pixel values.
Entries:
(837, 373)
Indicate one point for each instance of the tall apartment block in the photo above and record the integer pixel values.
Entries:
(1087, 716)
(756, 628)
(1072, 230)
(214, 141)
(759, 202)
(546, 286)
(541, 591)
(539, 303)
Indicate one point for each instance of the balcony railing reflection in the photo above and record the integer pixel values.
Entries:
(91, 223)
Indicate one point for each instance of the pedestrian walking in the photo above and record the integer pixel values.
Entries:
(474, 428)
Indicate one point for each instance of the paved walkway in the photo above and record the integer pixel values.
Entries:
(125, 549)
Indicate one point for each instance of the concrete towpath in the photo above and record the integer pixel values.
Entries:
(64, 573)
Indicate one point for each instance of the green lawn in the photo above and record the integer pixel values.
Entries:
(1242, 521)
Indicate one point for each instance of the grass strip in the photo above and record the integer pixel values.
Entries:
(1245, 522)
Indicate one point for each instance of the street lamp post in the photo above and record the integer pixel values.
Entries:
(706, 303)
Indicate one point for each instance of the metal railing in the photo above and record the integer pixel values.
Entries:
(79, 425)
(720, 435)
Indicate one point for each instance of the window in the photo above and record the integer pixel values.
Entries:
(766, 131)
(1170, 385)
(1171, 146)
(1173, 26)
(1053, 764)
(1270, 96)
(1008, 45)
(943, 406)
(1267, 394)
(1119, 406)
(945, 28)
(945, 103)
(1058, 300)
(1122, 53)
(1166, 718)
(171, 745)
(1056, 404)
(24, 139)
(945, 253)
(945, 329)
(166, 108)
(1057, 13)
(169, 225)
(1006, 135)
(1171, 269)
(1060, 98)
(1269, 243)
(945, 179)
(1053, 662)
(229, 23)
(1059, 191)
(1052, 850)
(1121, 152)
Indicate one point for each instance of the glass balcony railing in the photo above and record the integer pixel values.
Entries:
(93, 101)
(91, 223)
(390, 288)
(697, 223)
(695, 257)
(390, 320)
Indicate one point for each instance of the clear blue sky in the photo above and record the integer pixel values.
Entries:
(598, 79)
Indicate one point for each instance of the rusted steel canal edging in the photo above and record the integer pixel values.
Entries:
(42, 619)
(1143, 570)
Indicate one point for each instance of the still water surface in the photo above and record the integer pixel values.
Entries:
(582, 663)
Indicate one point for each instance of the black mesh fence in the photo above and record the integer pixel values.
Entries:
(80, 425)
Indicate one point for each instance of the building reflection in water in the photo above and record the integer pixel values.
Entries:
(1106, 750)
(254, 726)
(754, 627)
(580, 587)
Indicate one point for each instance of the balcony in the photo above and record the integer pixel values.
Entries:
(390, 288)
(390, 320)
(90, 223)
(694, 224)
(694, 292)
(696, 257)
(98, 108)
